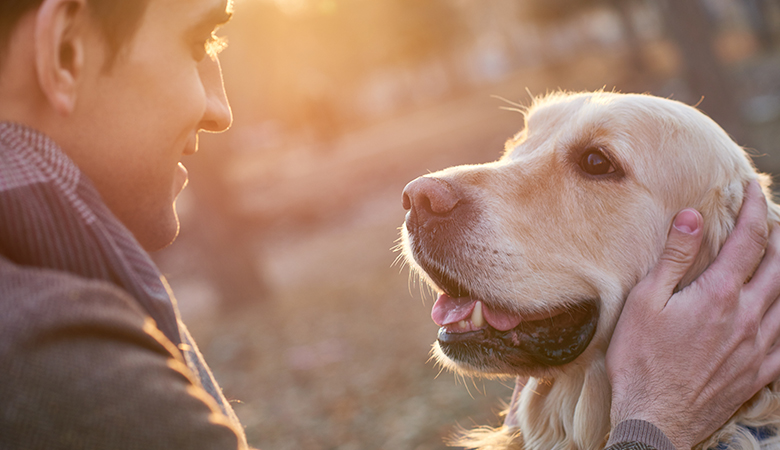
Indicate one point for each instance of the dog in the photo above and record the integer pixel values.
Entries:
(533, 255)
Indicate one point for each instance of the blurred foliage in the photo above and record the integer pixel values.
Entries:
(319, 48)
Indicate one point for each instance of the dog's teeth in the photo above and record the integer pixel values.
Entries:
(463, 324)
(476, 316)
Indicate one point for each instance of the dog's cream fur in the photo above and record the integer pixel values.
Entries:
(548, 234)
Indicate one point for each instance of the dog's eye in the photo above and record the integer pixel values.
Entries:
(594, 162)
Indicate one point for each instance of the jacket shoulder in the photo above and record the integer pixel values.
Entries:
(33, 299)
(83, 367)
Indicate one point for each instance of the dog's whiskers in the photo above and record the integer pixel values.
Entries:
(513, 106)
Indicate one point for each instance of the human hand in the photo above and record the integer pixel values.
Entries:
(687, 361)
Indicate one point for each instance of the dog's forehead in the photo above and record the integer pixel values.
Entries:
(619, 121)
(653, 141)
(602, 112)
(562, 120)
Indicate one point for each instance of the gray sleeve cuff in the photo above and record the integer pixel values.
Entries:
(640, 431)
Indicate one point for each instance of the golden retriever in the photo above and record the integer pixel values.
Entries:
(534, 254)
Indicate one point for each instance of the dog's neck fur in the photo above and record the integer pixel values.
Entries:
(571, 410)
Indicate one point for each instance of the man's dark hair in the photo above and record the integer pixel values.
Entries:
(119, 19)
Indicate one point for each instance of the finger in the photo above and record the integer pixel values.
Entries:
(743, 249)
(769, 327)
(680, 250)
(765, 283)
(770, 368)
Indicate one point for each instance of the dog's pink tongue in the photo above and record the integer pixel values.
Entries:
(448, 310)
(500, 320)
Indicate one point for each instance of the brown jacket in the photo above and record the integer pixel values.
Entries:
(83, 367)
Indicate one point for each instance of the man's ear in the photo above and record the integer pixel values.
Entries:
(60, 27)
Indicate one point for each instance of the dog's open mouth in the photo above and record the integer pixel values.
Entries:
(493, 340)
(473, 333)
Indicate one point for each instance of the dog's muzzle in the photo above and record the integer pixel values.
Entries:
(439, 224)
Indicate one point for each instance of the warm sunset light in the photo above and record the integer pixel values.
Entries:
(390, 224)
(284, 265)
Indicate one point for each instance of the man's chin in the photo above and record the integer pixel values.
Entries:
(156, 236)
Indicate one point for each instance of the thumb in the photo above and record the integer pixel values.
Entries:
(682, 246)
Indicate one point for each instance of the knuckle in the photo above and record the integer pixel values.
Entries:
(635, 301)
(758, 233)
(642, 290)
(676, 256)
(750, 324)
(773, 242)
(643, 293)
(722, 290)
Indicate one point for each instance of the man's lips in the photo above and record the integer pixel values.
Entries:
(180, 179)
(191, 147)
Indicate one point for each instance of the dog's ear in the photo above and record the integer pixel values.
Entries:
(719, 209)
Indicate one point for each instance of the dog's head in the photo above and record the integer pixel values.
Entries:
(534, 254)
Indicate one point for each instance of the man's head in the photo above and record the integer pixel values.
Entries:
(118, 18)
(123, 86)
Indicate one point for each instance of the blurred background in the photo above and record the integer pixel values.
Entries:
(284, 267)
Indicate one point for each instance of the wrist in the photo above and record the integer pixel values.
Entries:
(640, 423)
(636, 430)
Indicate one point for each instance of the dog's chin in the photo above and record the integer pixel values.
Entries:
(533, 347)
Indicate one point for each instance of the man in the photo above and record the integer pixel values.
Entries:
(99, 100)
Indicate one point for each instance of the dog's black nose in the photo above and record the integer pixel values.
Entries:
(428, 196)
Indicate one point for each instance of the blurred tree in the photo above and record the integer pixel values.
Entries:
(624, 10)
(758, 13)
(689, 26)
(547, 11)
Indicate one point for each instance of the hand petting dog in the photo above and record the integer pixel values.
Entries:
(707, 349)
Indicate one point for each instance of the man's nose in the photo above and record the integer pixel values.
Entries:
(217, 116)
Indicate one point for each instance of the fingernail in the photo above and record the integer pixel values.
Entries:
(686, 221)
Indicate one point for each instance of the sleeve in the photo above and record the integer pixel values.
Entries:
(84, 368)
(638, 435)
